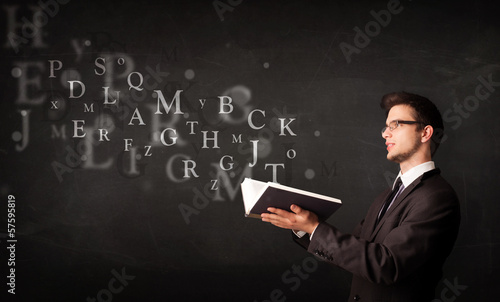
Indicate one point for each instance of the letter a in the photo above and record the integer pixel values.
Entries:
(348, 50)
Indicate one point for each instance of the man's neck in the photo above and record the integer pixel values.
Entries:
(423, 155)
(413, 162)
(409, 176)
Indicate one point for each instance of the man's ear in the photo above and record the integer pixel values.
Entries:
(427, 133)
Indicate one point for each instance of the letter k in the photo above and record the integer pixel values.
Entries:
(123, 277)
(455, 287)
(488, 84)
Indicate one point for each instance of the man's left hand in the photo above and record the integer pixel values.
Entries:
(297, 220)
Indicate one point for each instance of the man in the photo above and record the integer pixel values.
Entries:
(397, 252)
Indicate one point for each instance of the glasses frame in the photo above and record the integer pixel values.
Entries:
(398, 123)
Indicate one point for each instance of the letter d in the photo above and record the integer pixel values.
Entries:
(360, 40)
(71, 89)
(379, 17)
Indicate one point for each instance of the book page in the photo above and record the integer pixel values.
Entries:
(299, 191)
(251, 190)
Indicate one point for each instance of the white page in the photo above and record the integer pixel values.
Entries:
(251, 190)
(299, 191)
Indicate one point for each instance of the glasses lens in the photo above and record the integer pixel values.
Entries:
(393, 125)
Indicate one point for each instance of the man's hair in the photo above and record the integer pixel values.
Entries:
(423, 111)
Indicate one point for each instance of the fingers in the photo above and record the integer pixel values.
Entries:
(272, 218)
(296, 209)
(279, 212)
(279, 218)
(282, 214)
(298, 219)
(277, 221)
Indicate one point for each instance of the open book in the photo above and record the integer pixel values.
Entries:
(258, 196)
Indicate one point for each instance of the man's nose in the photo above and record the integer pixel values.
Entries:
(386, 133)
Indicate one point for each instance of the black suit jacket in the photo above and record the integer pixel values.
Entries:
(401, 258)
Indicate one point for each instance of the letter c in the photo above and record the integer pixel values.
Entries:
(113, 289)
(251, 124)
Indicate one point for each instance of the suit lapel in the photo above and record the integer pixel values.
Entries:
(394, 206)
(371, 217)
(369, 230)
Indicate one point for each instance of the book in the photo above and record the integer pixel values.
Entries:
(258, 196)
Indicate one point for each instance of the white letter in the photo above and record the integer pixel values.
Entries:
(71, 88)
(76, 128)
(205, 139)
(186, 168)
(167, 106)
(283, 126)
(231, 164)
(251, 124)
(274, 170)
(52, 68)
(103, 67)
(162, 137)
(128, 143)
(222, 104)
(136, 115)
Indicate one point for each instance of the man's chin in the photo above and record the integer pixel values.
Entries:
(393, 158)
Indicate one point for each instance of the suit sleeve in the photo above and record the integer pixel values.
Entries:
(304, 241)
(357, 230)
(430, 225)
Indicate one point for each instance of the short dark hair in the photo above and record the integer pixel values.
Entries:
(424, 111)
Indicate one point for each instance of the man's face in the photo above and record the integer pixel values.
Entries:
(404, 141)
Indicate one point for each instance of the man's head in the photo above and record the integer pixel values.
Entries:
(416, 125)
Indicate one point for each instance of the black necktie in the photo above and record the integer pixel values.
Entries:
(390, 198)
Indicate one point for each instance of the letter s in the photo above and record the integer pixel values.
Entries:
(287, 280)
(448, 118)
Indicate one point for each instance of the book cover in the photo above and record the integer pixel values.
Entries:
(258, 196)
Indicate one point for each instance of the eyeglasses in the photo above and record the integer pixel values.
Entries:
(395, 124)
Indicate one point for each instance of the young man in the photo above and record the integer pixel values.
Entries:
(397, 252)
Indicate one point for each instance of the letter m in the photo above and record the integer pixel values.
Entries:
(236, 139)
(166, 107)
(329, 172)
(61, 133)
(172, 55)
(226, 182)
(87, 108)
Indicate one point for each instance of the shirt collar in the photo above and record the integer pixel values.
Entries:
(415, 173)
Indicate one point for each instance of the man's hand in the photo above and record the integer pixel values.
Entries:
(299, 220)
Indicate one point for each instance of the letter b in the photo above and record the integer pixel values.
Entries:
(51, 7)
(376, 29)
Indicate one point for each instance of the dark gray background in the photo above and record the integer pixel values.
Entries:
(72, 234)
